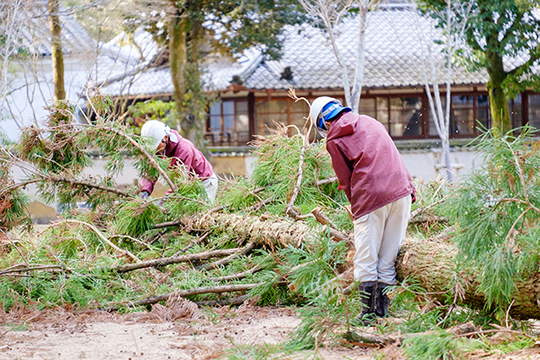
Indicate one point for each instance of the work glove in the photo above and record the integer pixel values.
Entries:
(144, 195)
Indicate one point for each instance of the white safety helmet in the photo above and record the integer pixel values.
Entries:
(156, 130)
(324, 108)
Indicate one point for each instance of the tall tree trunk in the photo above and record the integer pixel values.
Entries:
(194, 122)
(360, 59)
(56, 50)
(498, 101)
(178, 58)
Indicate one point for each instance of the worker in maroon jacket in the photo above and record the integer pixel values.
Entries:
(169, 143)
(371, 172)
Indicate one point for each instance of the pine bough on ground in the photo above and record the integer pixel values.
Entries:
(260, 241)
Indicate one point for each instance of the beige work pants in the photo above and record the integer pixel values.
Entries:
(211, 186)
(377, 238)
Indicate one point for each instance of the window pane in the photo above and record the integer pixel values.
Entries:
(265, 121)
(228, 123)
(242, 122)
(228, 107)
(515, 111)
(462, 115)
(405, 116)
(483, 111)
(534, 110)
(215, 108)
(241, 107)
(215, 124)
(382, 111)
(272, 106)
(367, 107)
(432, 126)
(268, 111)
(300, 106)
(298, 119)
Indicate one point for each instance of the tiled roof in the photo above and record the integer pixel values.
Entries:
(393, 58)
(393, 55)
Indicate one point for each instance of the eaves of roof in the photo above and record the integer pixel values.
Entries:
(394, 58)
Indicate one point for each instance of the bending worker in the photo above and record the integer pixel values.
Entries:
(169, 143)
(371, 172)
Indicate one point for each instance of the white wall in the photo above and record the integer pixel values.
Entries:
(426, 164)
(32, 89)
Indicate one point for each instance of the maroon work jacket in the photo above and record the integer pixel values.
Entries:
(183, 152)
(367, 163)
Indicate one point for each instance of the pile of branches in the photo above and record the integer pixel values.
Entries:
(280, 237)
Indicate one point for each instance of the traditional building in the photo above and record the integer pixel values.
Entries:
(253, 90)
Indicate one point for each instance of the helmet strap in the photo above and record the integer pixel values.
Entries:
(322, 124)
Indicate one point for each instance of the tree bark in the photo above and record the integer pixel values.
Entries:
(498, 101)
(178, 57)
(56, 50)
(273, 232)
(432, 264)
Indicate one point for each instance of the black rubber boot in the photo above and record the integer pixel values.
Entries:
(382, 303)
(368, 293)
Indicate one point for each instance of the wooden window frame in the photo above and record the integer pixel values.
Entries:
(234, 141)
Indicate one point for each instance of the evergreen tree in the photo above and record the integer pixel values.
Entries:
(500, 29)
(231, 27)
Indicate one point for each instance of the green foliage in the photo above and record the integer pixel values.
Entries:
(313, 276)
(275, 174)
(439, 345)
(58, 150)
(496, 30)
(189, 196)
(12, 201)
(136, 217)
(314, 268)
(497, 210)
(240, 25)
(164, 111)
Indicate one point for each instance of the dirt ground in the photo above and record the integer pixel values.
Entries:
(178, 330)
(62, 334)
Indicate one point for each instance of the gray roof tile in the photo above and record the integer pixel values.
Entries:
(393, 59)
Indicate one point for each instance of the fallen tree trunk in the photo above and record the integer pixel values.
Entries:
(274, 231)
(432, 264)
(430, 261)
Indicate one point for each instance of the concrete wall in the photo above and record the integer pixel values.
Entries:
(423, 164)
(427, 164)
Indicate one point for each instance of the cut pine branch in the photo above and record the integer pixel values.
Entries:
(175, 260)
(237, 276)
(101, 236)
(244, 251)
(184, 293)
(334, 233)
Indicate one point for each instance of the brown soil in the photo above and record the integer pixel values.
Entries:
(178, 331)
(164, 333)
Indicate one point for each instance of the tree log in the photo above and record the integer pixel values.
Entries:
(430, 261)
(275, 232)
(432, 264)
